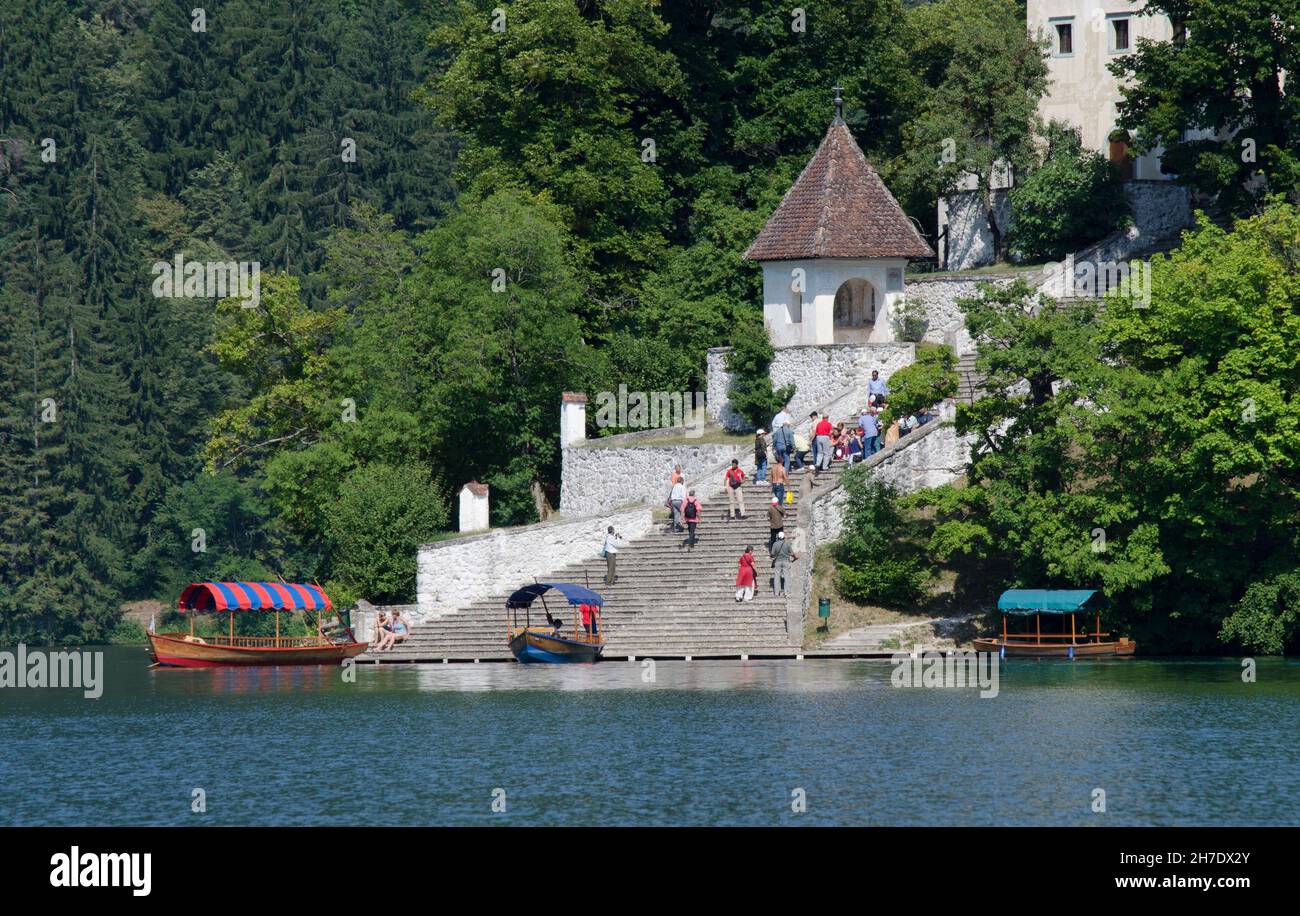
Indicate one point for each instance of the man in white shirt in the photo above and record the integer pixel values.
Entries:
(675, 499)
(782, 418)
(610, 551)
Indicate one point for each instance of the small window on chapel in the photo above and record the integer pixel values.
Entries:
(1064, 38)
(1119, 37)
(794, 314)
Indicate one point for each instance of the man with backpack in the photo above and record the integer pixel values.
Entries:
(782, 556)
(734, 482)
(691, 512)
(781, 442)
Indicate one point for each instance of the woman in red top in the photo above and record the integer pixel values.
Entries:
(745, 577)
(589, 621)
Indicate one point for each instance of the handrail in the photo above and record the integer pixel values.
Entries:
(258, 642)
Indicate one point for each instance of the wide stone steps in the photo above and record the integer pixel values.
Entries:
(668, 600)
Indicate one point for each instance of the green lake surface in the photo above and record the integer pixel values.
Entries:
(1170, 741)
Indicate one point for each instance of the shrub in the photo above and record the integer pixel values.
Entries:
(1267, 618)
(1073, 199)
(909, 321)
(925, 383)
(752, 395)
(877, 561)
(383, 514)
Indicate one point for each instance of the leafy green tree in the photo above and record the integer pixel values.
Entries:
(382, 516)
(1218, 97)
(481, 344)
(926, 382)
(878, 560)
(281, 347)
(975, 129)
(1072, 198)
(1267, 619)
(553, 101)
(752, 394)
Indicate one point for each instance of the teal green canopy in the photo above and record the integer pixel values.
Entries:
(1047, 601)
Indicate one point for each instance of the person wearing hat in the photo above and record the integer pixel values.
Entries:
(760, 457)
(775, 520)
(782, 557)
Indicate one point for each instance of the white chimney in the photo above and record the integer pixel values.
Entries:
(573, 418)
(474, 506)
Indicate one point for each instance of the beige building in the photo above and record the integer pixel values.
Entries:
(1084, 37)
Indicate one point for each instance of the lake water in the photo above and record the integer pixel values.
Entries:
(1171, 742)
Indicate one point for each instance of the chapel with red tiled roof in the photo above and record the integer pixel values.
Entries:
(834, 250)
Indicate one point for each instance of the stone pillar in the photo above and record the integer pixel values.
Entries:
(573, 418)
(474, 506)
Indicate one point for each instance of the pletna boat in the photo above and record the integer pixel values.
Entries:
(552, 643)
(325, 647)
(1057, 642)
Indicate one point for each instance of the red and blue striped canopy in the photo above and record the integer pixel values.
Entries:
(253, 596)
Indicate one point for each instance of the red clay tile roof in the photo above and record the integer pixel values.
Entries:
(838, 208)
(478, 489)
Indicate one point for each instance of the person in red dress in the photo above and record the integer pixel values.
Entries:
(745, 577)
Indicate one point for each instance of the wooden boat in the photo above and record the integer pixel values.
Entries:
(1056, 643)
(551, 644)
(187, 650)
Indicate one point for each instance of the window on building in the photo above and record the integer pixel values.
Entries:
(794, 313)
(1119, 37)
(1064, 38)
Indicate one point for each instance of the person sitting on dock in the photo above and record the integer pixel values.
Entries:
(382, 629)
(401, 629)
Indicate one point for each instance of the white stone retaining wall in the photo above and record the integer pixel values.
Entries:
(819, 373)
(937, 295)
(452, 574)
(596, 478)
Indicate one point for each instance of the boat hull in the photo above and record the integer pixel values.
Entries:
(1014, 649)
(531, 647)
(174, 651)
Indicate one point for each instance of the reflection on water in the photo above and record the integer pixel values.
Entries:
(665, 743)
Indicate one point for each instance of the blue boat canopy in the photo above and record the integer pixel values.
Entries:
(575, 594)
(1048, 601)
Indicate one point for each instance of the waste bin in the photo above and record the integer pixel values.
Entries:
(824, 608)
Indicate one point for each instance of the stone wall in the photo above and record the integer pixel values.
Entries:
(452, 574)
(598, 475)
(969, 242)
(819, 374)
(937, 294)
(1160, 211)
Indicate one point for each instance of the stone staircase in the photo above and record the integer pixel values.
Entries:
(968, 380)
(669, 600)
